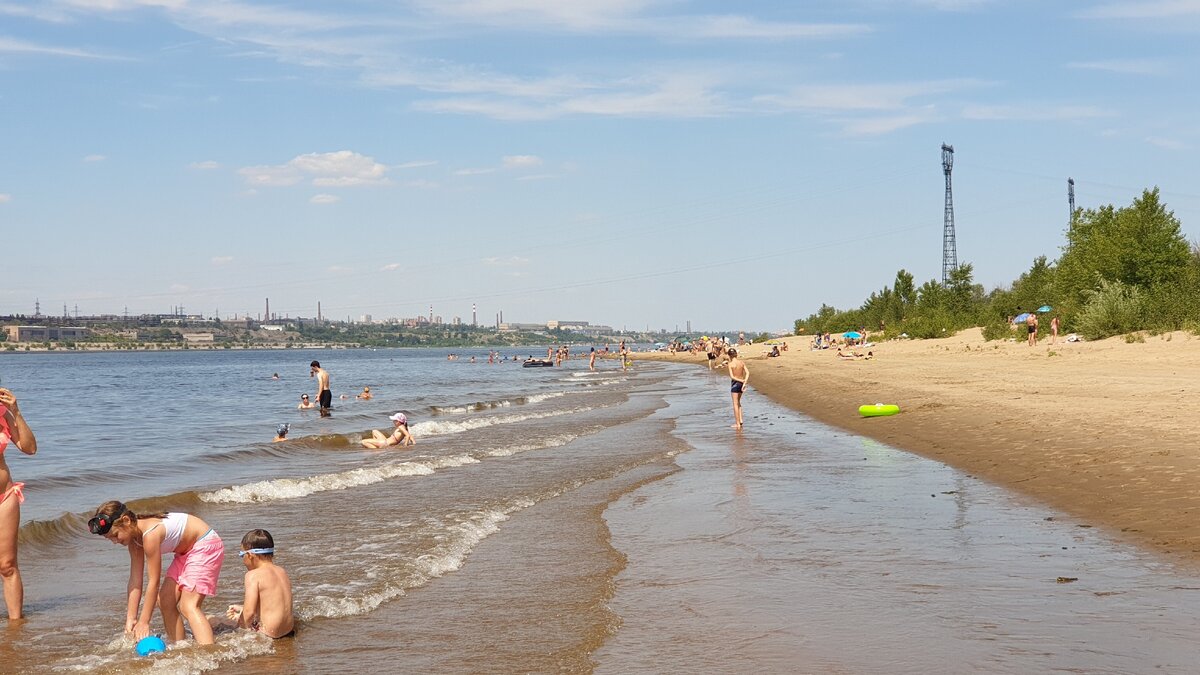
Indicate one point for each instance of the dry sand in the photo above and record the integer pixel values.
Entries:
(1105, 431)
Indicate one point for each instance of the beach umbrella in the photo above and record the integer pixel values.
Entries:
(1020, 318)
(1044, 308)
(852, 334)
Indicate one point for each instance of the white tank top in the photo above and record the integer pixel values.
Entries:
(173, 526)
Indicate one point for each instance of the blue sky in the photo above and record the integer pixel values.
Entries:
(630, 162)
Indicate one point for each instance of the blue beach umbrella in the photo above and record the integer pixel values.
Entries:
(1044, 308)
(1020, 318)
(852, 334)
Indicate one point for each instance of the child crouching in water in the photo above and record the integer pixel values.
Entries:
(267, 606)
(191, 577)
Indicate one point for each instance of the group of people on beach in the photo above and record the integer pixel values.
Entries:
(192, 576)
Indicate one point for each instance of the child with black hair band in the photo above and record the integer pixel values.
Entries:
(267, 606)
(191, 577)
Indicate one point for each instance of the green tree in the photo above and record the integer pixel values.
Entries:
(1140, 245)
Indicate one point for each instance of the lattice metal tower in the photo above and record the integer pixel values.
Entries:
(1071, 199)
(949, 247)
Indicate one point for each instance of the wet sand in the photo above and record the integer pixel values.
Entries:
(1102, 430)
(796, 547)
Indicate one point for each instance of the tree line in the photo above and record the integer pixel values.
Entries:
(1121, 270)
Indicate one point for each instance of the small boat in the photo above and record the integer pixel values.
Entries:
(537, 363)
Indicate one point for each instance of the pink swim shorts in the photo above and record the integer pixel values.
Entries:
(197, 570)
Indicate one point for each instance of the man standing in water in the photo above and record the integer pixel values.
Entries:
(324, 394)
(739, 375)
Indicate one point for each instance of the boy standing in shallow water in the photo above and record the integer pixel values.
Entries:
(739, 375)
(267, 606)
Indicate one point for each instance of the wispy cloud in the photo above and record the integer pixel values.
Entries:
(1165, 143)
(222, 260)
(390, 267)
(1141, 9)
(510, 261)
(1034, 112)
(94, 158)
(875, 126)
(204, 166)
(866, 97)
(415, 165)
(5, 198)
(330, 169)
(537, 176)
(521, 161)
(10, 45)
(1122, 66)
(324, 199)
(473, 171)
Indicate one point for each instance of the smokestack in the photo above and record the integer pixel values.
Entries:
(268, 314)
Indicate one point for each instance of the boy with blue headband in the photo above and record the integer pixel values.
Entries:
(267, 606)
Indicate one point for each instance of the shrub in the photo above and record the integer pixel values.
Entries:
(998, 330)
(1113, 309)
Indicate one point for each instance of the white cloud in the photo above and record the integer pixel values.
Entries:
(884, 125)
(845, 97)
(743, 27)
(1122, 66)
(1033, 112)
(204, 166)
(390, 267)
(1141, 9)
(9, 45)
(537, 176)
(222, 260)
(5, 198)
(415, 165)
(339, 269)
(328, 169)
(472, 172)
(521, 161)
(94, 158)
(1165, 143)
(179, 288)
(324, 199)
(510, 261)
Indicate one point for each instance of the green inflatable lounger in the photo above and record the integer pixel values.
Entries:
(878, 410)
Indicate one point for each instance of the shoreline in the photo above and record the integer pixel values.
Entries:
(1102, 430)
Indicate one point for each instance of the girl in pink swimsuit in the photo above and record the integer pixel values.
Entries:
(13, 432)
(191, 577)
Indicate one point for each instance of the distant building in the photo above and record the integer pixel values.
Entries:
(522, 327)
(198, 338)
(45, 333)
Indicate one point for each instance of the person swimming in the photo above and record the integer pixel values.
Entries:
(281, 433)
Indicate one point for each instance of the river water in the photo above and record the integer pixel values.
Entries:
(555, 519)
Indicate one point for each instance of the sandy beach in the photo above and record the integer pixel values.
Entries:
(1101, 430)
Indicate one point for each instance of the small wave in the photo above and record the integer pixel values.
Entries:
(292, 488)
(510, 450)
(180, 658)
(437, 427)
(480, 406)
(444, 558)
(42, 532)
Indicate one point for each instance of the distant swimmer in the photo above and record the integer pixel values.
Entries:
(324, 394)
(400, 436)
(365, 395)
(281, 433)
(305, 403)
(275, 376)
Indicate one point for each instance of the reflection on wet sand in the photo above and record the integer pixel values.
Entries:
(840, 554)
